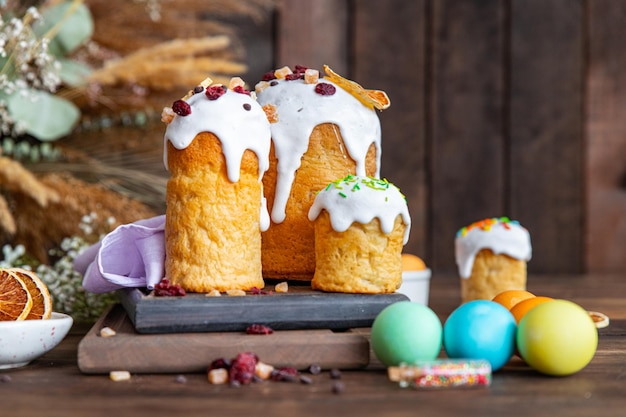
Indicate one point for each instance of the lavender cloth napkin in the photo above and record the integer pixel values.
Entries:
(132, 255)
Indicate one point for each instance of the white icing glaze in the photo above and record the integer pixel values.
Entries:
(362, 199)
(238, 129)
(299, 109)
(508, 238)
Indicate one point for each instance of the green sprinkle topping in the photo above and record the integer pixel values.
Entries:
(343, 195)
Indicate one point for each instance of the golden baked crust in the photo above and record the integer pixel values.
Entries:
(360, 260)
(289, 247)
(492, 274)
(212, 229)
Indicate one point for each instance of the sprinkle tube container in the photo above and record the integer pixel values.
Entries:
(442, 373)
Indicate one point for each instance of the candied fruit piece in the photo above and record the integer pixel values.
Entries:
(263, 370)
(282, 72)
(215, 91)
(236, 82)
(107, 332)
(236, 293)
(218, 376)
(261, 85)
(167, 115)
(181, 108)
(282, 287)
(311, 76)
(119, 376)
(325, 89)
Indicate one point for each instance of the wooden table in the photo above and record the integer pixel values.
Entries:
(54, 386)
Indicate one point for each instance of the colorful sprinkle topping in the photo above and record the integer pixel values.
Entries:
(487, 224)
(353, 183)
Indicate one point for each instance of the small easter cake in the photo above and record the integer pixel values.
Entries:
(491, 256)
(361, 225)
(216, 147)
(323, 128)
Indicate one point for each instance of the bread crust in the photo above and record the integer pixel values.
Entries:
(289, 247)
(212, 229)
(492, 274)
(362, 259)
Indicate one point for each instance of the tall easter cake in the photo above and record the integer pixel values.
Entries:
(491, 256)
(322, 129)
(361, 225)
(216, 148)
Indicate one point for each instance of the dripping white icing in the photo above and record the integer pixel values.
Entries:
(299, 109)
(362, 199)
(238, 129)
(508, 238)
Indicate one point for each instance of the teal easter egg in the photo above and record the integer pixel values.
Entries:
(557, 338)
(480, 329)
(406, 332)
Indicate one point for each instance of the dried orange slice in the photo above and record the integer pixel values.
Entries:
(15, 299)
(371, 98)
(42, 303)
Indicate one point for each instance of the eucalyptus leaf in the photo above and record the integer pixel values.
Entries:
(45, 116)
(76, 26)
(73, 73)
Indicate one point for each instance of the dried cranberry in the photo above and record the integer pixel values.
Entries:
(166, 289)
(257, 291)
(294, 76)
(325, 89)
(221, 363)
(286, 374)
(300, 69)
(268, 76)
(215, 91)
(242, 368)
(259, 329)
(181, 108)
(239, 89)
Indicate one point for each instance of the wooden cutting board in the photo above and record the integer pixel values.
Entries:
(193, 352)
(300, 308)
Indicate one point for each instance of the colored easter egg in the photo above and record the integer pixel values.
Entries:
(557, 338)
(480, 329)
(406, 332)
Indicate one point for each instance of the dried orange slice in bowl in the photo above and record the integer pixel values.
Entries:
(15, 299)
(42, 302)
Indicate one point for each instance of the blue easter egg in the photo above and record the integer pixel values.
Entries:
(480, 329)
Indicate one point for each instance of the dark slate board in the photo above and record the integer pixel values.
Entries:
(299, 309)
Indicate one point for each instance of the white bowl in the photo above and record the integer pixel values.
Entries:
(22, 341)
(416, 285)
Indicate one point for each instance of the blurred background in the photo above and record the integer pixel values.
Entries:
(499, 108)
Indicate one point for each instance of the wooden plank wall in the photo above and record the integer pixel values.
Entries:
(498, 108)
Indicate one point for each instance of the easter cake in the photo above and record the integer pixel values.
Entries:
(361, 225)
(216, 149)
(322, 129)
(491, 256)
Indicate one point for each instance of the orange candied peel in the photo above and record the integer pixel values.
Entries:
(370, 98)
